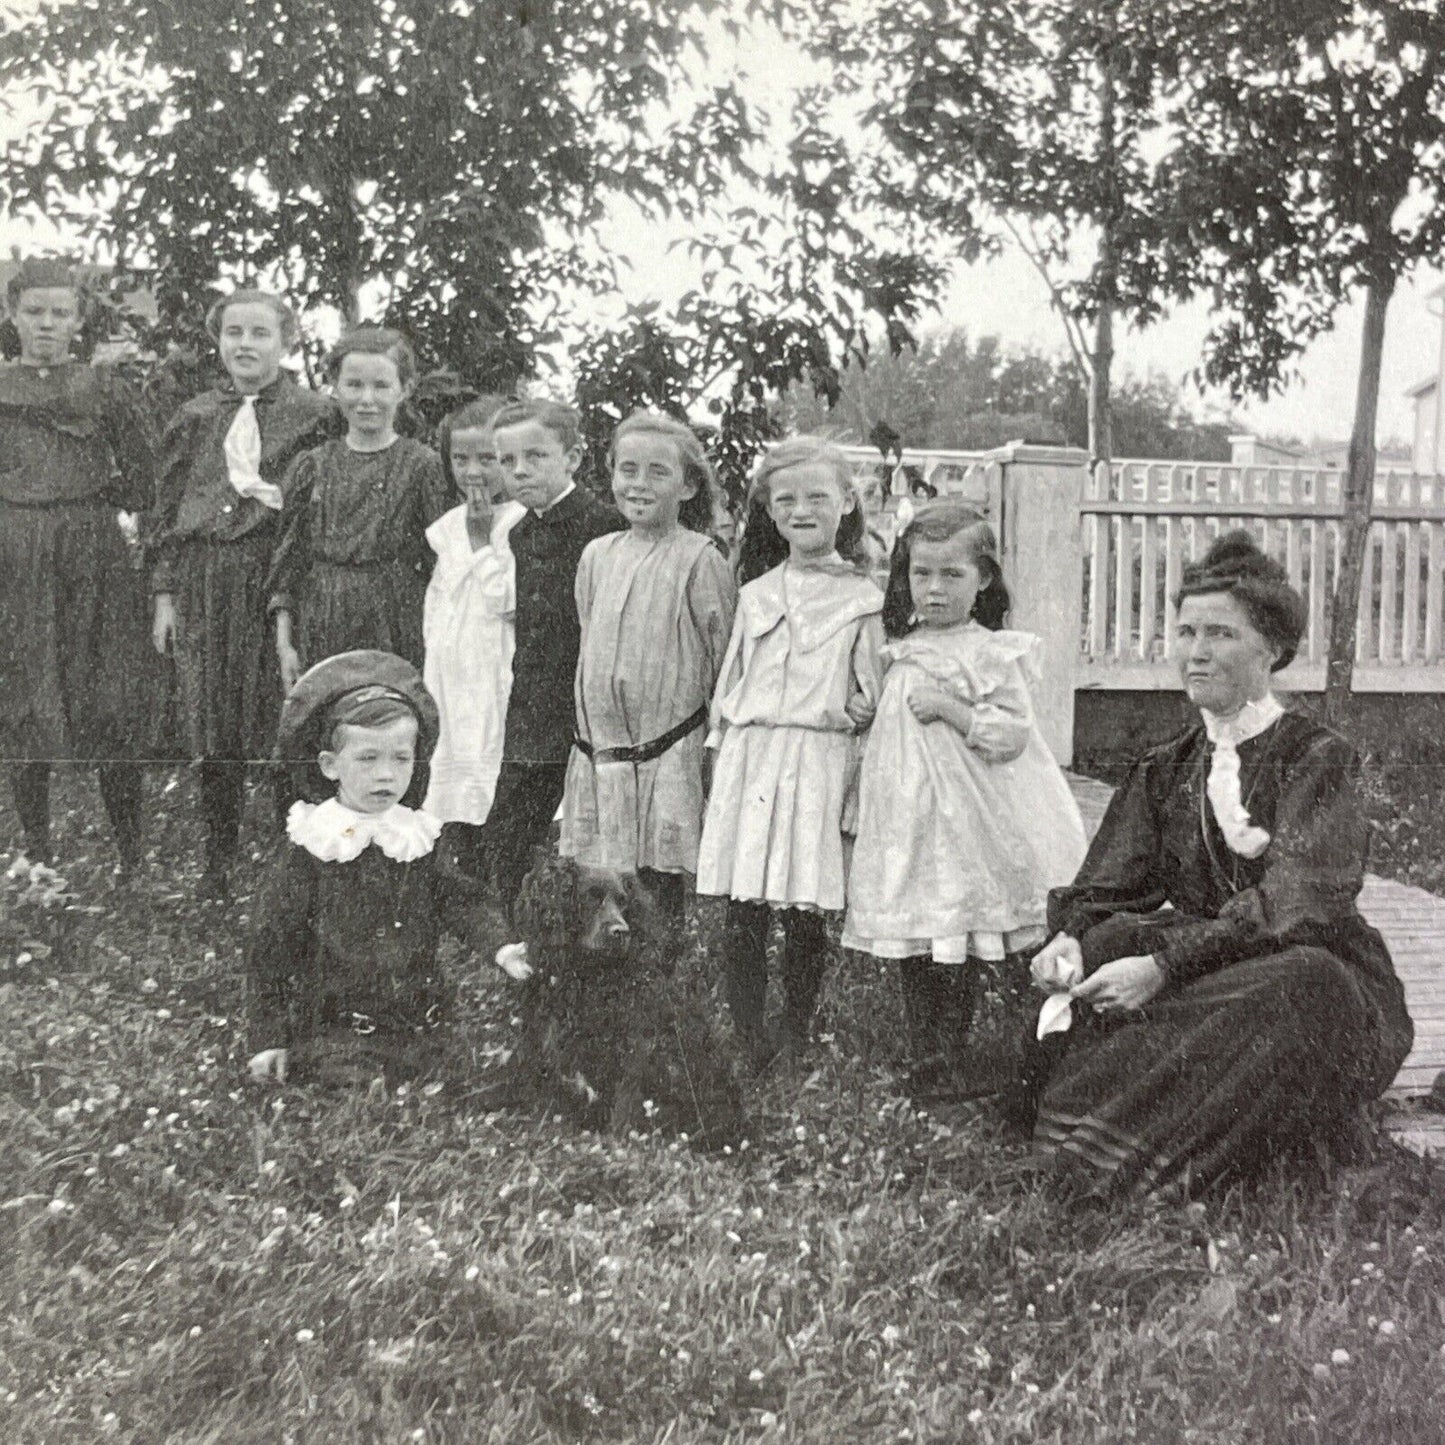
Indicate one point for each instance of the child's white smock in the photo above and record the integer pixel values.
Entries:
(960, 837)
(805, 642)
(467, 629)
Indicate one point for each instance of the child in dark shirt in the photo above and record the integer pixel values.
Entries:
(342, 974)
(538, 446)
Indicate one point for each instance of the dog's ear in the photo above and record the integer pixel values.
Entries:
(546, 907)
(656, 933)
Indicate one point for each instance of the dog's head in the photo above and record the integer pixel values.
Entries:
(597, 911)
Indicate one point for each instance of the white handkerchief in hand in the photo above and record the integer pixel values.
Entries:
(512, 960)
(1057, 1014)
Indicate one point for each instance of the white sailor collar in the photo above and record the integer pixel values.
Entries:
(816, 601)
(334, 833)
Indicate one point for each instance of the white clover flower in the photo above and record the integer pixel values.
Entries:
(304, 1337)
(1339, 1357)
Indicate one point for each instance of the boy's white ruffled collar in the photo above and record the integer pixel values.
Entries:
(334, 833)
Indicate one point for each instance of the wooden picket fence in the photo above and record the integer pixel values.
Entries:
(1142, 521)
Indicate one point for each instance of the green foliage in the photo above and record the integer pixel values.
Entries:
(1307, 168)
(1032, 119)
(184, 1256)
(422, 146)
(452, 160)
(1307, 163)
(954, 392)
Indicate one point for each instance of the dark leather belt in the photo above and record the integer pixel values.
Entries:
(644, 752)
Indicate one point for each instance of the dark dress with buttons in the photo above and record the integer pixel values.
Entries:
(353, 563)
(77, 679)
(342, 966)
(211, 549)
(1281, 1011)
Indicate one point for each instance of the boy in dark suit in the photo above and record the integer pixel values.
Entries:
(538, 446)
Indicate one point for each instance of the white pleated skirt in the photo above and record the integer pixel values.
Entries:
(774, 826)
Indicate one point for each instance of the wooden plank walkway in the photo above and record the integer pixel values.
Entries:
(1413, 924)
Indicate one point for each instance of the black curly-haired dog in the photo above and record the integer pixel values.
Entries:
(612, 1031)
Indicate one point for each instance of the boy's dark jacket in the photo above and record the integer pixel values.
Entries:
(547, 548)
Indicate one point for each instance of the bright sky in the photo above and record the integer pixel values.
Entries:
(1006, 297)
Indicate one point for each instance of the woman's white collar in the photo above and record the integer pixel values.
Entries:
(334, 833)
(1238, 727)
(1222, 785)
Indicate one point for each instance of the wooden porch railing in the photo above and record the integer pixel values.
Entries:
(1141, 521)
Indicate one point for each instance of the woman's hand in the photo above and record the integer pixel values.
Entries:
(269, 1064)
(1057, 963)
(1122, 986)
(163, 624)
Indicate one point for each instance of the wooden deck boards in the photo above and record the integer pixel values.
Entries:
(1413, 923)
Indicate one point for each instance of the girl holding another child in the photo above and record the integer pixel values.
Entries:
(656, 607)
(467, 627)
(965, 820)
(352, 564)
(800, 677)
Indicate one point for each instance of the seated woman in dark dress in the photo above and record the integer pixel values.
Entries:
(1235, 1002)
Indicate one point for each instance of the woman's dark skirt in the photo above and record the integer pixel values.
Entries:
(79, 679)
(230, 680)
(1213, 1079)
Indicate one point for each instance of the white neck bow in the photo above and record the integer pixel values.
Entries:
(333, 833)
(1222, 785)
(242, 447)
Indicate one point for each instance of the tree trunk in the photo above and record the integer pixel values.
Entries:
(1101, 409)
(1101, 414)
(1358, 495)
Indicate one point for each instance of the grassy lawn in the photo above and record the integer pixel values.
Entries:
(184, 1256)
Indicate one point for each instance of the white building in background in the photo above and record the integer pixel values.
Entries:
(1428, 452)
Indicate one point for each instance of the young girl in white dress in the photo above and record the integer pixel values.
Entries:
(799, 679)
(965, 820)
(467, 628)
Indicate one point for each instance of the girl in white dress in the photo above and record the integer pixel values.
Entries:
(799, 679)
(467, 629)
(965, 820)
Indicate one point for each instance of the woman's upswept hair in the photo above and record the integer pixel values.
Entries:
(374, 341)
(941, 521)
(249, 296)
(763, 547)
(1235, 566)
(474, 415)
(699, 510)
